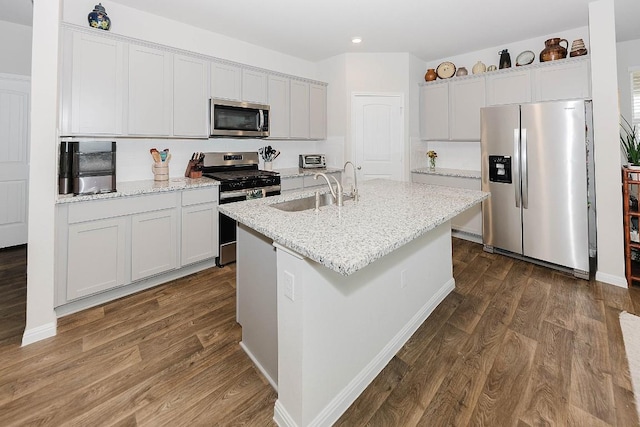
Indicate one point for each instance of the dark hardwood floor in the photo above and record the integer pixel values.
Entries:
(514, 345)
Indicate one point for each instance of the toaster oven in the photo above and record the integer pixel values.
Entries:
(312, 161)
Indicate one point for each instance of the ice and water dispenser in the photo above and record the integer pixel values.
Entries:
(500, 169)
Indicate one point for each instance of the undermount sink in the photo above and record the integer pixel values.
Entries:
(306, 203)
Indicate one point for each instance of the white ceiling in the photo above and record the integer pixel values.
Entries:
(430, 29)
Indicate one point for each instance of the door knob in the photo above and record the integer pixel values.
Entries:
(359, 167)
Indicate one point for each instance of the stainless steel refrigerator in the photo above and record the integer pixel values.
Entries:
(537, 162)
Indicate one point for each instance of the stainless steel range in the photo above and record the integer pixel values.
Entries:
(240, 179)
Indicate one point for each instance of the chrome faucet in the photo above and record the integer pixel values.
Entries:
(337, 195)
(354, 191)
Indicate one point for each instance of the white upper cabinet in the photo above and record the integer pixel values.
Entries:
(434, 111)
(299, 109)
(564, 80)
(254, 86)
(226, 81)
(317, 111)
(92, 88)
(279, 103)
(150, 91)
(466, 98)
(190, 108)
(509, 88)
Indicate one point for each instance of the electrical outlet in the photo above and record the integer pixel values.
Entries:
(289, 289)
(403, 279)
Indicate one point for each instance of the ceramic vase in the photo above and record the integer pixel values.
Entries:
(462, 71)
(479, 68)
(431, 75)
(98, 18)
(553, 50)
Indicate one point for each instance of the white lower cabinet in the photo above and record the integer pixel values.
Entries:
(96, 257)
(105, 244)
(308, 181)
(154, 243)
(199, 225)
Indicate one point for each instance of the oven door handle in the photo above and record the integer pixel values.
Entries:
(240, 193)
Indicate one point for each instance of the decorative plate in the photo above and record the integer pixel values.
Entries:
(446, 70)
(525, 58)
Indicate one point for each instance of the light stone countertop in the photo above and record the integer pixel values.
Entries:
(296, 172)
(136, 188)
(388, 215)
(460, 173)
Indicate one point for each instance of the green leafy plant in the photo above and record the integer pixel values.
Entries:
(630, 142)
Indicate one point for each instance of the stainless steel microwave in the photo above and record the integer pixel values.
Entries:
(238, 119)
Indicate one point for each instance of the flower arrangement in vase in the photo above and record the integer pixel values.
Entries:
(630, 142)
(432, 155)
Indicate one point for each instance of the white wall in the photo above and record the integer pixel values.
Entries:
(145, 26)
(628, 59)
(41, 319)
(15, 48)
(466, 155)
(133, 160)
(604, 88)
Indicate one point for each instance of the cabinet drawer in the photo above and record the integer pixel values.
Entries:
(99, 209)
(195, 197)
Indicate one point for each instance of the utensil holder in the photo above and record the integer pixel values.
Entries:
(268, 166)
(160, 171)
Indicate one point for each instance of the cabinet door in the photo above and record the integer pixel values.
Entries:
(466, 99)
(150, 93)
(317, 111)
(92, 85)
(199, 232)
(434, 111)
(563, 81)
(154, 243)
(279, 107)
(254, 86)
(226, 81)
(295, 183)
(513, 87)
(299, 109)
(96, 257)
(190, 107)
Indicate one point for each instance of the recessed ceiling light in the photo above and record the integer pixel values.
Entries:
(356, 40)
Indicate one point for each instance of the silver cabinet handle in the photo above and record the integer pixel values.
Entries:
(525, 170)
(516, 165)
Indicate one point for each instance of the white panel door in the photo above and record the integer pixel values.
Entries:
(14, 159)
(190, 108)
(150, 91)
(317, 111)
(378, 136)
(154, 243)
(434, 111)
(254, 86)
(226, 81)
(466, 99)
(299, 109)
(279, 104)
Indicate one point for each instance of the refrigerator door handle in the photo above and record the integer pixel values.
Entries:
(516, 165)
(525, 171)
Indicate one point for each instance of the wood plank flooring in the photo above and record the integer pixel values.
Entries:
(514, 345)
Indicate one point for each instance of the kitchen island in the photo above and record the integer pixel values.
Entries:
(343, 290)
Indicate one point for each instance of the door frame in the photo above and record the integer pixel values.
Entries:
(403, 124)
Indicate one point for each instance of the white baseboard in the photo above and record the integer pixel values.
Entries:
(350, 393)
(273, 382)
(611, 279)
(32, 335)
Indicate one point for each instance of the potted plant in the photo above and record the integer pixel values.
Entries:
(630, 143)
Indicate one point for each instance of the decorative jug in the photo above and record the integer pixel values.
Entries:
(553, 50)
(505, 59)
(431, 75)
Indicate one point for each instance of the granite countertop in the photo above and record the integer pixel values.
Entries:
(296, 172)
(460, 173)
(388, 215)
(136, 188)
